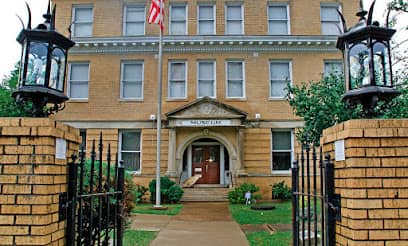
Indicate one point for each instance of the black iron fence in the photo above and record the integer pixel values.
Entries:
(95, 200)
(315, 205)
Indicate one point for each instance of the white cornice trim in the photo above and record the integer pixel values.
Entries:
(186, 44)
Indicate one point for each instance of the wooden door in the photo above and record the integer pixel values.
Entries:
(206, 162)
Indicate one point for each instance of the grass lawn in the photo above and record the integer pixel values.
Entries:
(138, 238)
(263, 238)
(282, 214)
(172, 209)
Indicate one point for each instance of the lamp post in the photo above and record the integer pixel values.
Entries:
(367, 62)
(43, 66)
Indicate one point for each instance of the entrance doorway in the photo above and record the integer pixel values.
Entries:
(206, 163)
(209, 159)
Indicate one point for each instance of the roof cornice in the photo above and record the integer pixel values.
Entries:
(187, 44)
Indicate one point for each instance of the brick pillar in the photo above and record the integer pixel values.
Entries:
(31, 178)
(372, 181)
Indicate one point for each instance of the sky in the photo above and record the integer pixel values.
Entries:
(10, 49)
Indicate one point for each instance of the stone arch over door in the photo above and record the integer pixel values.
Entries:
(234, 161)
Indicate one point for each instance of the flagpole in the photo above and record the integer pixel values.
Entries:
(159, 105)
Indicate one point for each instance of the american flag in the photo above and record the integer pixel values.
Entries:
(156, 13)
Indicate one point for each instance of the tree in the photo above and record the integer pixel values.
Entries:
(8, 106)
(319, 104)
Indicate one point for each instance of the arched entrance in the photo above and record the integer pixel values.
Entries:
(207, 159)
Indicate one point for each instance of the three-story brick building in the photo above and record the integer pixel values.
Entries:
(226, 64)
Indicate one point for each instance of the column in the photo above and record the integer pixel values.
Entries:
(171, 167)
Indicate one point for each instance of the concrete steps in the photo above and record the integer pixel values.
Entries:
(205, 194)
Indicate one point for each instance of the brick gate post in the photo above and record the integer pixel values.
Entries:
(372, 179)
(33, 172)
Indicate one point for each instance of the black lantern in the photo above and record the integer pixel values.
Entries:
(367, 62)
(43, 66)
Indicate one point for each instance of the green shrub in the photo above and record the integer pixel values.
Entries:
(140, 191)
(170, 192)
(237, 196)
(130, 189)
(281, 191)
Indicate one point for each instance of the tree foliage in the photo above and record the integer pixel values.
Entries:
(8, 106)
(319, 104)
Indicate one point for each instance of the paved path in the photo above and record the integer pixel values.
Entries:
(198, 224)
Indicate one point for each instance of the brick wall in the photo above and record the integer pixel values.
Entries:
(31, 179)
(372, 181)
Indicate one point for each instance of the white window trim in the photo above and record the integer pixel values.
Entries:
(140, 151)
(332, 5)
(292, 156)
(81, 6)
(242, 17)
(185, 79)
(270, 79)
(121, 80)
(243, 78)
(125, 17)
(69, 80)
(185, 20)
(214, 19)
(287, 14)
(214, 76)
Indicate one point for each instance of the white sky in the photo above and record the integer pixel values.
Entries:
(10, 49)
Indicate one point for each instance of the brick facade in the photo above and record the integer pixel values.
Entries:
(372, 181)
(31, 178)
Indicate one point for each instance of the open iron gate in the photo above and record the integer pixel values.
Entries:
(315, 205)
(95, 200)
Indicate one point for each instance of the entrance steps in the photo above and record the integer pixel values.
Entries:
(206, 193)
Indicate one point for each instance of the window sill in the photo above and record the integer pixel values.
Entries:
(78, 100)
(281, 173)
(177, 100)
(131, 100)
(135, 173)
(276, 99)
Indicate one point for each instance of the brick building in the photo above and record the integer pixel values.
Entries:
(225, 66)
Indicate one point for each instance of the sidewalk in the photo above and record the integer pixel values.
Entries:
(198, 224)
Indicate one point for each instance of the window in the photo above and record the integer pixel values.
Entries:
(131, 85)
(82, 18)
(177, 80)
(78, 80)
(178, 20)
(206, 19)
(335, 67)
(82, 146)
(278, 19)
(282, 149)
(130, 149)
(330, 19)
(206, 79)
(235, 79)
(134, 20)
(279, 77)
(235, 20)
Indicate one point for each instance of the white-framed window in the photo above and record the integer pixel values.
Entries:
(178, 19)
(234, 19)
(206, 85)
(330, 19)
(206, 19)
(82, 20)
(235, 79)
(131, 81)
(278, 19)
(177, 80)
(282, 149)
(280, 75)
(333, 67)
(134, 20)
(130, 149)
(78, 80)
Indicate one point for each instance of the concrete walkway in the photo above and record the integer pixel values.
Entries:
(201, 224)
